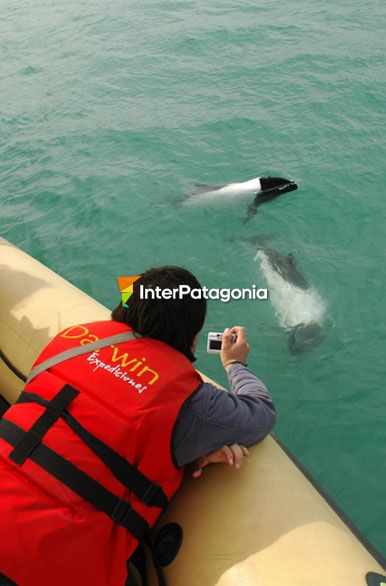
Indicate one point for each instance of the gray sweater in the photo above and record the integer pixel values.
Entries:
(211, 419)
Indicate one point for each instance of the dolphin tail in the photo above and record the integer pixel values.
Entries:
(304, 337)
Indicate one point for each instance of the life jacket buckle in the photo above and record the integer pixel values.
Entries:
(150, 494)
(121, 511)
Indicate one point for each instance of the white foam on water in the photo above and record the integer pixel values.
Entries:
(293, 306)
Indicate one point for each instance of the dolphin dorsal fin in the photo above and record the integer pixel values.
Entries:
(203, 187)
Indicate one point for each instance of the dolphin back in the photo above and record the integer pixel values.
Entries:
(286, 267)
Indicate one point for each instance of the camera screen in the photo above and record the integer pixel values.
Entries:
(215, 344)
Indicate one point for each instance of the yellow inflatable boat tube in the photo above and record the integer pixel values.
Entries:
(265, 525)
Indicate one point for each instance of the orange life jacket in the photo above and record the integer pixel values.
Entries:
(75, 521)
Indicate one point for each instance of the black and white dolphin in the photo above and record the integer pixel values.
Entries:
(298, 306)
(263, 188)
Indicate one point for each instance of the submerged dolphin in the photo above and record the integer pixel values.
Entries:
(264, 189)
(297, 304)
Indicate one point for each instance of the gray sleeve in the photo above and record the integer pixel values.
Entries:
(212, 418)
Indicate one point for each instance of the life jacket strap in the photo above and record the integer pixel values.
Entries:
(119, 510)
(148, 492)
(5, 581)
(4, 406)
(78, 351)
(34, 436)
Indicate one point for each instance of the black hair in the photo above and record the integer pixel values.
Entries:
(173, 321)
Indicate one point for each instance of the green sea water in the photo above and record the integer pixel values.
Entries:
(110, 112)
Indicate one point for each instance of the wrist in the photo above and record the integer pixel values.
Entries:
(228, 363)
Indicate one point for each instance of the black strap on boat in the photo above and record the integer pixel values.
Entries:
(150, 493)
(119, 510)
(12, 368)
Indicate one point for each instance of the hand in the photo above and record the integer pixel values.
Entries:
(232, 455)
(237, 350)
